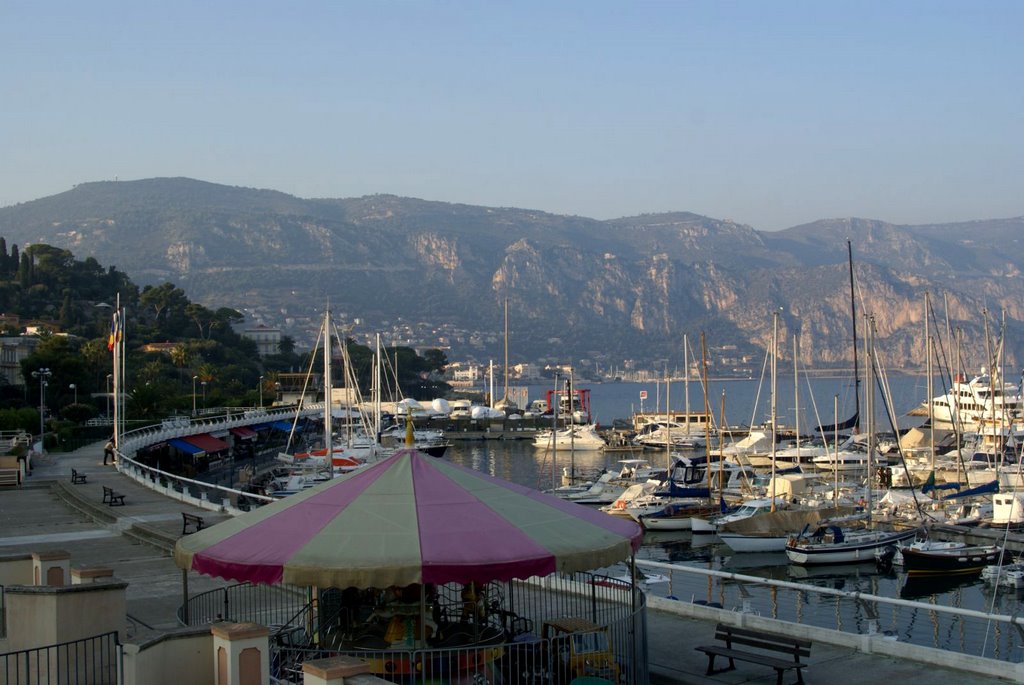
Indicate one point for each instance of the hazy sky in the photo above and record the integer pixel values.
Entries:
(769, 113)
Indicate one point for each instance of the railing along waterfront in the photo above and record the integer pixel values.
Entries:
(511, 636)
(198, 493)
(853, 615)
(89, 661)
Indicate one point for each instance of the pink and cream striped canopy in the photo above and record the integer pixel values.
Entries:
(409, 519)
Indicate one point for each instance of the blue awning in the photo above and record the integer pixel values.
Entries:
(187, 447)
(285, 426)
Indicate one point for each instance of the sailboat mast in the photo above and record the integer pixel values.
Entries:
(505, 396)
(377, 392)
(686, 383)
(668, 425)
(796, 393)
(928, 383)
(869, 407)
(853, 319)
(707, 409)
(328, 388)
(572, 432)
(774, 417)
(554, 433)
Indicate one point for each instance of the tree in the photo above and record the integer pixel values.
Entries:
(67, 314)
(166, 302)
(435, 360)
(204, 319)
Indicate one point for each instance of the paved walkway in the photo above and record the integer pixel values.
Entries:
(50, 513)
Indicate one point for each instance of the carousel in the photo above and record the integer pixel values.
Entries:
(429, 572)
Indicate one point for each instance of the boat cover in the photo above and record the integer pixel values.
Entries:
(207, 443)
(185, 446)
(409, 519)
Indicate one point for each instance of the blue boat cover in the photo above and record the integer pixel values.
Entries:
(184, 446)
(988, 488)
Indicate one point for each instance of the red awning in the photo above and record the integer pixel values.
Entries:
(243, 432)
(207, 443)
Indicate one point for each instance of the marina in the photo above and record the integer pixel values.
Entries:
(711, 576)
(685, 570)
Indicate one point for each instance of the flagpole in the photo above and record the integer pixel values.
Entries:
(116, 345)
(121, 350)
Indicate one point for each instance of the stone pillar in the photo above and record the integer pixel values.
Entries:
(332, 671)
(84, 576)
(51, 568)
(241, 653)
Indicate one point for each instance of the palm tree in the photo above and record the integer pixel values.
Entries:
(180, 356)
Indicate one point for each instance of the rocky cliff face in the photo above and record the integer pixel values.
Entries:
(622, 289)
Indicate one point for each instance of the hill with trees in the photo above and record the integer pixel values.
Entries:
(172, 344)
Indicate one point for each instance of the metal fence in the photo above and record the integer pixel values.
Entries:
(245, 602)
(535, 632)
(89, 661)
(208, 495)
(985, 634)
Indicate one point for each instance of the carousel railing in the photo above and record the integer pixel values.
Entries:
(538, 631)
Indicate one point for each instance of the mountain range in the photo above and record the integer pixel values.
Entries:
(614, 292)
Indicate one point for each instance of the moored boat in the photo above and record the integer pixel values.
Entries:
(968, 559)
(770, 531)
(832, 545)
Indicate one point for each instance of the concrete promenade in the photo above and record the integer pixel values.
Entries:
(50, 513)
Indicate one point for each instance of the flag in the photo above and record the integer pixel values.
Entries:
(116, 331)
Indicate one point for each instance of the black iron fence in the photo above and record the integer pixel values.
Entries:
(245, 602)
(545, 631)
(89, 661)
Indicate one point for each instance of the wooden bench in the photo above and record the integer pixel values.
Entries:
(191, 521)
(76, 477)
(770, 645)
(111, 498)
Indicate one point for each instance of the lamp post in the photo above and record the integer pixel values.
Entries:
(194, 379)
(42, 374)
(261, 392)
(75, 388)
(110, 376)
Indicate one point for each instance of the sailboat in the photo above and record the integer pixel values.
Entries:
(831, 544)
(322, 463)
(506, 404)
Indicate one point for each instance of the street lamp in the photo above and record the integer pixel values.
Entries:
(194, 379)
(42, 374)
(75, 388)
(261, 392)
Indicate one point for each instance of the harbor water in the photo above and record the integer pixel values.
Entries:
(748, 401)
(520, 462)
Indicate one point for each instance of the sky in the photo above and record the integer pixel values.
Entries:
(771, 114)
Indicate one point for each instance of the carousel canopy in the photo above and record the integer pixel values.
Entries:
(408, 519)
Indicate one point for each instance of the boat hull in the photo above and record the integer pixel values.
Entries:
(944, 562)
(754, 543)
(856, 548)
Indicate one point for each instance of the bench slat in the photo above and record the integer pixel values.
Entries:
(752, 657)
(723, 632)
